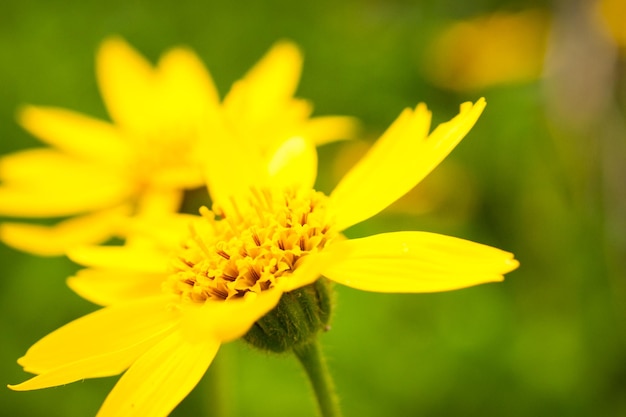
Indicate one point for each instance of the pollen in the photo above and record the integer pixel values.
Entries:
(263, 242)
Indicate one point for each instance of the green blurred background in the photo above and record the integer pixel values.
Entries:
(542, 175)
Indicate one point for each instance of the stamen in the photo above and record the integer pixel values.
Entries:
(256, 239)
(223, 254)
(186, 262)
(265, 239)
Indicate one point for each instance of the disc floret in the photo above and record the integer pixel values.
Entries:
(262, 241)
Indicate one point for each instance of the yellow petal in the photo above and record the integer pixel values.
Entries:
(47, 183)
(417, 262)
(75, 134)
(310, 268)
(159, 380)
(97, 366)
(398, 161)
(326, 129)
(44, 168)
(107, 330)
(245, 168)
(267, 86)
(56, 240)
(294, 164)
(107, 287)
(123, 258)
(159, 202)
(127, 84)
(189, 93)
(22, 203)
(162, 233)
(226, 321)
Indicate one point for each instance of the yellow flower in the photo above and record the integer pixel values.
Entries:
(610, 15)
(489, 50)
(166, 316)
(163, 118)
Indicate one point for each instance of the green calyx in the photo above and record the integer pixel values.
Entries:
(295, 321)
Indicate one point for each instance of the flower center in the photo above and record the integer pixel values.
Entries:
(251, 251)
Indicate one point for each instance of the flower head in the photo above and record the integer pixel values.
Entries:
(496, 49)
(209, 279)
(164, 117)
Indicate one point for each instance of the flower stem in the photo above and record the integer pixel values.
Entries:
(311, 358)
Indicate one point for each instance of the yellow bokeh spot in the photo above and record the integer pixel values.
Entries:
(488, 50)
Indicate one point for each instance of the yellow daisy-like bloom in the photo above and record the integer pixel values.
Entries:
(610, 14)
(165, 316)
(495, 49)
(164, 117)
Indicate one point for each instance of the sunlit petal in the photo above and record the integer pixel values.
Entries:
(64, 200)
(244, 171)
(97, 366)
(417, 262)
(325, 129)
(184, 80)
(294, 164)
(267, 86)
(110, 329)
(140, 259)
(127, 84)
(56, 240)
(44, 168)
(230, 320)
(398, 161)
(161, 378)
(107, 287)
(76, 134)
(311, 268)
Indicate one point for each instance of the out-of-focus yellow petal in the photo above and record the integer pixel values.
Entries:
(110, 329)
(325, 129)
(161, 378)
(127, 83)
(611, 16)
(405, 262)
(268, 85)
(47, 183)
(185, 82)
(163, 233)
(398, 161)
(159, 202)
(56, 240)
(62, 199)
(139, 259)
(489, 50)
(48, 168)
(106, 287)
(22, 203)
(245, 168)
(76, 134)
(294, 164)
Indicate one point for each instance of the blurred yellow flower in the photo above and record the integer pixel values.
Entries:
(164, 120)
(269, 234)
(612, 15)
(489, 50)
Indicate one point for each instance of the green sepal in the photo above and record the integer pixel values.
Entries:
(296, 320)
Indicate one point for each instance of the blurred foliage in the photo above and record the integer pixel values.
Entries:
(540, 175)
